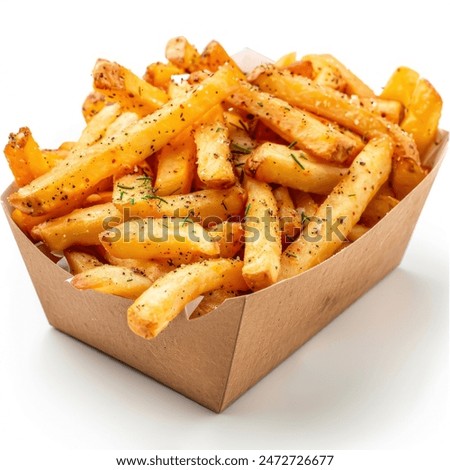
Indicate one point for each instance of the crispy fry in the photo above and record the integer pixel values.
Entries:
(214, 158)
(211, 301)
(342, 209)
(93, 104)
(208, 205)
(214, 55)
(401, 85)
(229, 236)
(69, 181)
(304, 205)
(80, 227)
(81, 261)
(120, 85)
(275, 163)
(306, 131)
(324, 73)
(167, 297)
(290, 222)
(160, 74)
(262, 236)
(180, 52)
(378, 207)
(286, 60)
(300, 91)
(406, 175)
(176, 166)
(116, 280)
(27, 222)
(159, 239)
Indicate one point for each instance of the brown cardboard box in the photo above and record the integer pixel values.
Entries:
(216, 358)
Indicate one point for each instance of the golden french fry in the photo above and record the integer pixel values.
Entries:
(98, 198)
(274, 163)
(356, 232)
(353, 84)
(302, 92)
(150, 268)
(69, 181)
(378, 207)
(214, 55)
(116, 280)
(207, 206)
(180, 52)
(401, 85)
(229, 236)
(262, 236)
(160, 74)
(304, 205)
(159, 239)
(176, 166)
(304, 130)
(406, 175)
(325, 73)
(80, 227)
(81, 261)
(120, 85)
(286, 60)
(211, 301)
(27, 222)
(168, 296)
(93, 104)
(389, 109)
(290, 222)
(341, 210)
(214, 160)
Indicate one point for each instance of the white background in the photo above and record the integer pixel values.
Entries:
(376, 378)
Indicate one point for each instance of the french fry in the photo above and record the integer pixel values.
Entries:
(120, 85)
(208, 205)
(306, 131)
(353, 84)
(286, 60)
(356, 232)
(180, 52)
(325, 73)
(262, 236)
(81, 261)
(300, 91)
(152, 269)
(27, 222)
(25, 159)
(304, 205)
(168, 296)
(214, 55)
(406, 175)
(160, 74)
(389, 109)
(80, 227)
(69, 181)
(176, 166)
(378, 207)
(101, 197)
(273, 163)
(229, 236)
(401, 85)
(341, 210)
(159, 239)
(116, 280)
(214, 160)
(290, 222)
(211, 301)
(96, 128)
(93, 104)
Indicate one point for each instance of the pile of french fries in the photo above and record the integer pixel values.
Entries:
(200, 180)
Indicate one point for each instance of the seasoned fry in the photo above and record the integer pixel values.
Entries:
(401, 85)
(180, 52)
(290, 222)
(229, 236)
(81, 261)
(304, 205)
(214, 55)
(211, 301)
(214, 159)
(148, 135)
(93, 104)
(116, 280)
(378, 207)
(160, 74)
(167, 297)
(341, 210)
(389, 109)
(159, 239)
(80, 227)
(306, 131)
(208, 205)
(406, 175)
(262, 236)
(300, 91)
(120, 85)
(280, 164)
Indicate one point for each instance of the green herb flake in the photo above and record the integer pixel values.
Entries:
(296, 161)
(236, 148)
(292, 144)
(121, 186)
